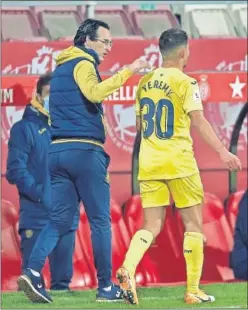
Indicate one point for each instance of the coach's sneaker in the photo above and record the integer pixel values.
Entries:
(128, 285)
(113, 295)
(197, 298)
(33, 288)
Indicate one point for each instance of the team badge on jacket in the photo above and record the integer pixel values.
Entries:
(29, 233)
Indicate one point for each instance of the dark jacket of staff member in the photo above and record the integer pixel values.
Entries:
(239, 255)
(27, 168)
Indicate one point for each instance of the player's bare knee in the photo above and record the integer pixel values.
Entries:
(192, 218)
(193, 227)
(153, 220)
(193, 224)
(153, 229)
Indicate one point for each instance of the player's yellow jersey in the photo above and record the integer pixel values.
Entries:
(164, 99)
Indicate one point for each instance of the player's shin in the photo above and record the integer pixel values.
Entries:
(140, 243)
(193, 254)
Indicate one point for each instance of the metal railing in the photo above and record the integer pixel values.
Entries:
(234, 145)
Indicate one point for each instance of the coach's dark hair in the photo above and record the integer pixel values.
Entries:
(172, 38)
(43, 81)
(88, 28)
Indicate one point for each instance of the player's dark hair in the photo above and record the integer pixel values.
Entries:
(44, 80)
(88, 28)
(171, 39)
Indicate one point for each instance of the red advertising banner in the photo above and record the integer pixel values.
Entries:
(223, 95)
(214, 87)
(206, 55)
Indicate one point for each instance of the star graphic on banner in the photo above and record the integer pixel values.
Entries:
(237, 88)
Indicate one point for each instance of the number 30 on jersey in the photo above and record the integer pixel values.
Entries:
(152, 115)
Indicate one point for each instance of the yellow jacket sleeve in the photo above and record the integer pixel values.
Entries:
(95, 91)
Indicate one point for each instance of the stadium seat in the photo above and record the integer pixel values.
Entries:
(29, 39)
(168, 245)
(66, 38)
(239, 12)
(151, 23)
(19, 24)
(84, 246)
(208, 20)
(216, 227)
(84, 236)
(117, 18)
(10, 247)
(231, 208)
(11, 199)
(9, 191)
(133, 214)
(82, 274)
(120, 241)
(219, 240)
(146, 272)
(57, 22)
(82, 277)
(215, 224)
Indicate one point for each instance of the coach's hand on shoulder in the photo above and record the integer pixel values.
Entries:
(231, 160)
(139, 64)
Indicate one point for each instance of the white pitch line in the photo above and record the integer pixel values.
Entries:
(160, 298)
(177, 298)
(223, 307)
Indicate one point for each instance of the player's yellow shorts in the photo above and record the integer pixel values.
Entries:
(186, 192)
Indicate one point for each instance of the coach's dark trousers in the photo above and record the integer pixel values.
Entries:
(78, 172)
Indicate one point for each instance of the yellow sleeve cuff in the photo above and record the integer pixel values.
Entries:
(126, 73)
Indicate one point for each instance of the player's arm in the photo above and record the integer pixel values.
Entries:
(137, 110)
(95, 91)
(137, 142)
(206, 131)
(193, 107)
(138, 123)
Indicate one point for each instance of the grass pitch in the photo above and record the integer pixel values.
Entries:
(228, 295)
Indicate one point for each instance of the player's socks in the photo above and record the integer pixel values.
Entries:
(140, 243)
(193, 254)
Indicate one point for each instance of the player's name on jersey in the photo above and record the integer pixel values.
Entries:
(157, 84)
(125, 93)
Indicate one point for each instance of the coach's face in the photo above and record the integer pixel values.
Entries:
(102, 44)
